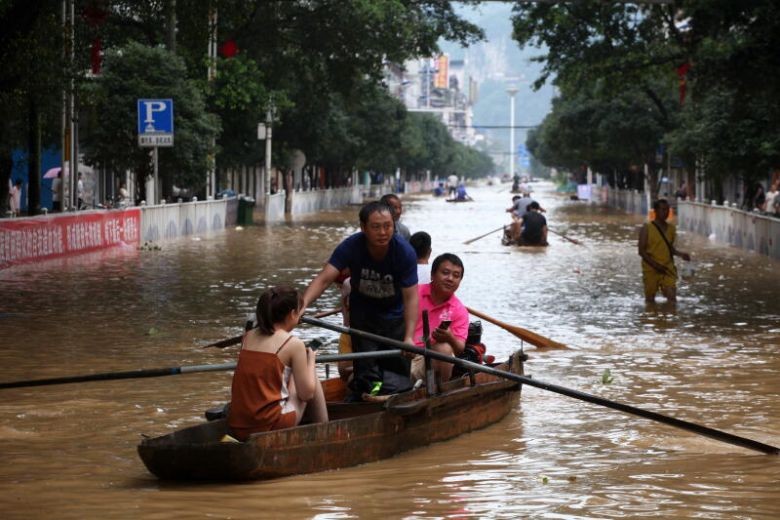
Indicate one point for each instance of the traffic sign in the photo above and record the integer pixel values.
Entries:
(155, 122)
(523, 156)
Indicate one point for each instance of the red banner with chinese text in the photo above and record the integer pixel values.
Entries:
(27, 240)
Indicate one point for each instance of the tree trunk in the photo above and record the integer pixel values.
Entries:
(34, 160)
(6, 165)
(171, 23)
(652, 179)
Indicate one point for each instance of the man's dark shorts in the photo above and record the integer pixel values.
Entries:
(392, 372)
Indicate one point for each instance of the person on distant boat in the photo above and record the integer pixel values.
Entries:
(460, 193)
(656, 247)
(448, 319)
(275, 384)
(394, 202)
(452, 184)
(438, 191)
(534, 227)
(518, 209)
(421, 243)
(529, 230)
(519, 206)
(382, 300)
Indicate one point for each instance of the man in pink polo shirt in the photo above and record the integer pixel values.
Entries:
(448, 319)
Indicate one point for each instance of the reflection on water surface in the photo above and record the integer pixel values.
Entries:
(70, 450)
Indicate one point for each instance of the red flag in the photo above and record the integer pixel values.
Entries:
(95, 55)
(682, 73)
(228, 49)
(95, 17)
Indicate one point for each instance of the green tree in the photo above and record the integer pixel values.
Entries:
(729, 119)
(320, 60)
(31, 84)
(136, 71)
(240, 98)
(731, 124)
(470, 162)
(615, 68)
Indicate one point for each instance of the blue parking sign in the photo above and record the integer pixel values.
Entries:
(523, 156)
(155, 122)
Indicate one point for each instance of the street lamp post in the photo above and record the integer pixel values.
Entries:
(269, 118)
(512, 90)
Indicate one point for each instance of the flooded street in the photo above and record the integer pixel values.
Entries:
(70, 451)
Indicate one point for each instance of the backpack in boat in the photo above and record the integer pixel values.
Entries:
(474, 350)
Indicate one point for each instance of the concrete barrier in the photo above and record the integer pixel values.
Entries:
(726, 225)
(273, 207)
(172, 221)
(631, 201)
(305, 202)
(746, 230)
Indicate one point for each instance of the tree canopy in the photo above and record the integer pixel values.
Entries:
(318, 63)
(137, 71)
(697, 75)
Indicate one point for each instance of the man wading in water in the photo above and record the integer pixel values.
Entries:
(656, 247)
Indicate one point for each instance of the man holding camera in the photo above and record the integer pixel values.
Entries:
(448, 319)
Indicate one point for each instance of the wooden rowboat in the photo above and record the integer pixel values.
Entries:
(506, 240)
(357, 432)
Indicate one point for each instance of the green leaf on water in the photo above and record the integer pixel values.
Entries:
(152, 331)
(606, 377)
(545, 480)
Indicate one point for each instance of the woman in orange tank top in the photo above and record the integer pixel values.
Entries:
(275, 384)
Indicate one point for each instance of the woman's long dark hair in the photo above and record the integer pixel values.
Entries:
(274, 305)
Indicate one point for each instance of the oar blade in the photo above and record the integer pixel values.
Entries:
(539, 341)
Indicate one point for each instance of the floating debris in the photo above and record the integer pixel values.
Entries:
(150, 246)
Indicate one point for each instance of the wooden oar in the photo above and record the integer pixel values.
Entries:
(573, 241)
(235, 340)
(526, 335)
(172, 371)
(467, 242)
(576, 394)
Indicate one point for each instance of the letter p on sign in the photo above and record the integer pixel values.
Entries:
(151, 108)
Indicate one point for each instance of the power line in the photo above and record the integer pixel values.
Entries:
(505, 126)
(508, 127)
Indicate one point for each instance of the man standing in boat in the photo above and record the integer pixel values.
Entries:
(394, 203)
(383, 297)
(656, 247)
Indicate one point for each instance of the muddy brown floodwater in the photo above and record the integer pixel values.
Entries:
(70, 451)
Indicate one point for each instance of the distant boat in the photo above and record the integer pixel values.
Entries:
(506, 240)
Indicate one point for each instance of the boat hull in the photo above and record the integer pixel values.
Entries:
(357, 433)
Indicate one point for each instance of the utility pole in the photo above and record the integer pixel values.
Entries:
(512, 90)
(268, 133)
(211, 176)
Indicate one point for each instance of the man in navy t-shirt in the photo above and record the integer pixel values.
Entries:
(383, 298)
(534, 227)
